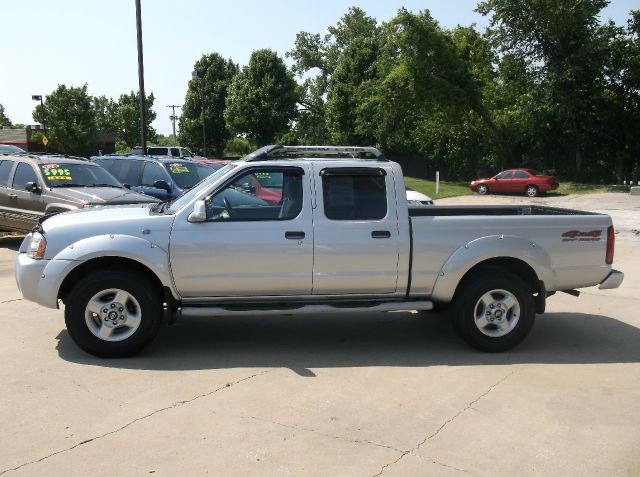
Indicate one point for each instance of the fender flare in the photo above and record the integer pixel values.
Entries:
(485, 248)
(155, 258)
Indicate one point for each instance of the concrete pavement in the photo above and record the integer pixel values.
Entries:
(394, 394)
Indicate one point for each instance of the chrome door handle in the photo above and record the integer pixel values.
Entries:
(294, 235)
(380, 234)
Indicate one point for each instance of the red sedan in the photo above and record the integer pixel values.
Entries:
(527, 181)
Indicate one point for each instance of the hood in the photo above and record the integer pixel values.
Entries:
(102, 195)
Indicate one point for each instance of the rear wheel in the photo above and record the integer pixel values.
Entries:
(493, 311)
(482, 189)
(113, 313)
(532, 191)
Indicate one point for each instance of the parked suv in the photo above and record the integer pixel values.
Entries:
(32, 186)
(173, 151)
(158, 177)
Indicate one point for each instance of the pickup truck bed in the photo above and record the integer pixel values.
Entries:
(341, 238)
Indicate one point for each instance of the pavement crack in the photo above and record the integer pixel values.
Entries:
(11, 301)
(445, 424)
(146, 416)
(324, 434)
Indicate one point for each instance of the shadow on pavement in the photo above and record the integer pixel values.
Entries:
(354, 340)
(12, 242)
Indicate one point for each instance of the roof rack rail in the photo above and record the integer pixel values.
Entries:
(267, 152)
(37, 155)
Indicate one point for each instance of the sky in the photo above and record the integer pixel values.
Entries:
(46, 43)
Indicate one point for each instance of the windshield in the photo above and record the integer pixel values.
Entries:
(10, 149)
(200, 188)
(188, 174)
(77, 175)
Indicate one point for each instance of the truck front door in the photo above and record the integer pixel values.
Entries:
(356, 231)
(248, 246)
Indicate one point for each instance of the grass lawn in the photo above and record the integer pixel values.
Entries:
(447, 189)
(453, 189)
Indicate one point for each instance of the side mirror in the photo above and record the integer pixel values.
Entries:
(199, 213)
(32, 187)
(126, 186)
(162, 185)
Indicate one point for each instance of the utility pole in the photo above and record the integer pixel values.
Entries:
(143, 121)
(173, 118)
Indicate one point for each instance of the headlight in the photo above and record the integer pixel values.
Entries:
(37, 246)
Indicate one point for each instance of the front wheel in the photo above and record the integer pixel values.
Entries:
(483, 189)
(494, 311)
(113, 314)
(532, 191)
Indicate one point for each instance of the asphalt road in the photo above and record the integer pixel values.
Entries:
(394, 394)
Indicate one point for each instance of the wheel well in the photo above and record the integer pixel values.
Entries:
(513, 265)
(106, 263)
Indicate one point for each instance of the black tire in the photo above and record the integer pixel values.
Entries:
(144, 302)
(468, 313)
(482, 189)
(532, 191)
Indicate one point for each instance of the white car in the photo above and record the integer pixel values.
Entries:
(415, 198)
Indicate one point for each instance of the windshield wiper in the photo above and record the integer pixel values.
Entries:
(162, 206)
(104, 185)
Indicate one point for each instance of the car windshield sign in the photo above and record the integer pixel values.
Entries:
(77, 175)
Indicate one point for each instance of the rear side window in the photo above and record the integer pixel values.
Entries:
(521, 175)
(175, 152)
(157, 151)
(24, 173)
(126, 171)
(354, 197)
(5, 170)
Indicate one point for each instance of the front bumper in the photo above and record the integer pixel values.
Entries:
(613, 280)
(29, 272)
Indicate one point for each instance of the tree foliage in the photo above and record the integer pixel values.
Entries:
(262, 98)
(71, 120)
(218, 74)
(4, 119)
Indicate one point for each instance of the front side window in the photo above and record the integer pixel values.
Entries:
(152, 173)
(505, 175)
(5, 170)
(175, 152)
(24, 173)
(354, 197)
(242, 200)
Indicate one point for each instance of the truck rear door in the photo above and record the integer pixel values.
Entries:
(355, 230)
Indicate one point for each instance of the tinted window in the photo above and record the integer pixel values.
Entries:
(188, 174)
(153, 172)
(157, 151)
(77, 175)
(126, 171)
(521, 175)
(5, 170)
(10, 149)
(24, 173)
(505, 175)
(238, 203)
(354, 197)
(175, 152)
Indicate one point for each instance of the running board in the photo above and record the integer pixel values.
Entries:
(212, 311)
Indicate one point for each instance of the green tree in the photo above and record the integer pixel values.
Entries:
(127, 118)
(262, 98)
(106, 110)
(4, 119)
(71, 122)
(565, 46)
(218, 74)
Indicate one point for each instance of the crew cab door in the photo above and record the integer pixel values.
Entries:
(248, 246)
(355, 231)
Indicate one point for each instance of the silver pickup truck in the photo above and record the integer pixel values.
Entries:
(294, 230)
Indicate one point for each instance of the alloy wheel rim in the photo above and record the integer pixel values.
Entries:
(113, 315)
(497, 313)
